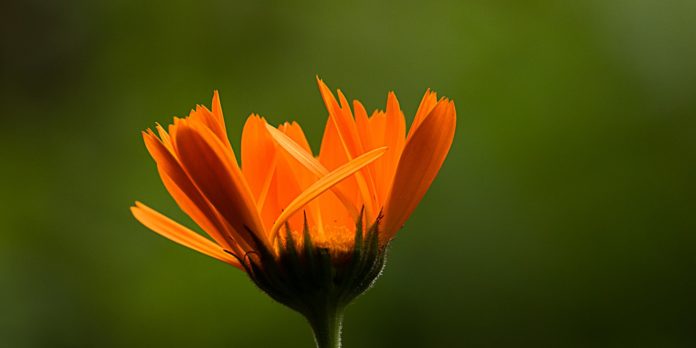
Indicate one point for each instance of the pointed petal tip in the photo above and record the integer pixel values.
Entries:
(136, 208)
(180, 234)
(148, 135)
(430, 94)
(137, 205)
(448, 105)
(254, 117)
(323, 87)
(216, 106)
(392, 101)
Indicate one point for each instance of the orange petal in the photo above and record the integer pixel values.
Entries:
(331, 153)
(217, 110)
(362, 125)
(213, 168)
(422, 158)
(297, 151)
(377, 124)
(285, 178)
(290, 180)
(394, 138)
(426, 106)
(268, 204)
(180, 234)
(341, 119)
(347, 134)
(195, 212)
(258, 152)
(184, 192)
(294, 131)
(293, 176)
(325, 183)
(348, 128)
(209, 120)
(308, 161)
(303, 176)
(164, 137)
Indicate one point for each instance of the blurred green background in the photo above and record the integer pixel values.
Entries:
(563, 217)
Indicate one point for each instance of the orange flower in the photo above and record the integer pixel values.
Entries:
(284, 208)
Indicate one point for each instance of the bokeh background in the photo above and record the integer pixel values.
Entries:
(563, 217)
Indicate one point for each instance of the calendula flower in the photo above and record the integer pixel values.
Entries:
(310, 231)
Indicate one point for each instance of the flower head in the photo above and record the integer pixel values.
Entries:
(311, 231)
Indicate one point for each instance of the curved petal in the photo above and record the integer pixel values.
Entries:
(180, 234)
(325, 183)
(213, 168)
(348, 139)
(342, 119)
(184, 192)
(422, 158)
(310, 163)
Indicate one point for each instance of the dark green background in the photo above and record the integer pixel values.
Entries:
(563, 217)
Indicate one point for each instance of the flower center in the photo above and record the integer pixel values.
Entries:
(339, 240)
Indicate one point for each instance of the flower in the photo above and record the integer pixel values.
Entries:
(310, 231)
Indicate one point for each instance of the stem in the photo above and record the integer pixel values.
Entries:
(327, 327)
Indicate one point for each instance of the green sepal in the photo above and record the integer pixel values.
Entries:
(310, 279)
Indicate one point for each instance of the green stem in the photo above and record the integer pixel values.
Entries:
(327, 327)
